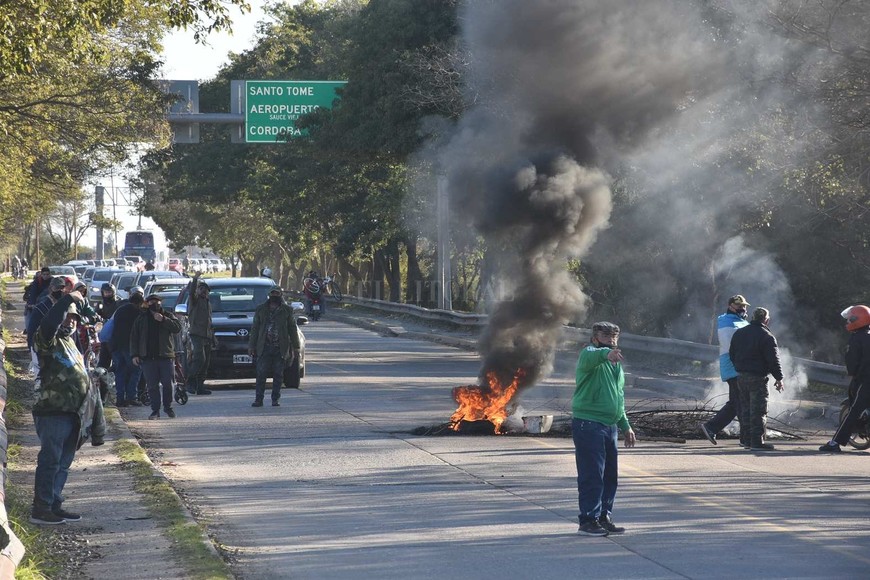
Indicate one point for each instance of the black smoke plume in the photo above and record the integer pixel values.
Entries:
(563, 87)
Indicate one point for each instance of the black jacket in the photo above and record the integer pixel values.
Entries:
(858, 356)
(754, 351)
(124, 318)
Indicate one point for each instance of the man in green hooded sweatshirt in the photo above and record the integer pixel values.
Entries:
(598, 410)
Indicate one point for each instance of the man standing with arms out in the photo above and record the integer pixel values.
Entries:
(200, 332)
(274, 342)
(68, 410)
(755, 355)
(598, 410)
(858, 368)
(728, 323)
(153, 349)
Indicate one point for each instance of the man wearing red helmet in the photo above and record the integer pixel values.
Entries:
(858, 368)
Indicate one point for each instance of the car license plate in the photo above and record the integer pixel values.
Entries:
(242, 359)
(315, 307)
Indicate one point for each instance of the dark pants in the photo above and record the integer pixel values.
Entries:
(58, 440)
(269, 363)
(595, 453)
(860, 396)
(127, 376)
(200, 350)
(159, 372)
(729, 411)
(753, 408)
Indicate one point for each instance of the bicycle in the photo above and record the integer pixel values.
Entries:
(331, 287)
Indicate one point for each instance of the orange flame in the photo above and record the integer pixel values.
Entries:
(478, 403)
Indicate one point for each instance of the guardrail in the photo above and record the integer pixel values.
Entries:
(816, 371)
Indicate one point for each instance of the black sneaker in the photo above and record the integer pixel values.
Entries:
(831, 447)
(170, 412)
(67, 516)
(711, 437)
(763, 447)
(154, 415)
(257, 404)
(607, 523)
(121, 404)
(591, 528)
(134, 403)
(203, 392)
(276, 403)
(745, 445)
(45, 518)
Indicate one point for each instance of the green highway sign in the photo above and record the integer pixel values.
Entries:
(273, 107)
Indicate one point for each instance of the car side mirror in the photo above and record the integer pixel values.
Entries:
(302, 320)
(181, 309)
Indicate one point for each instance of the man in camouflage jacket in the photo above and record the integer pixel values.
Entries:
(68, 409)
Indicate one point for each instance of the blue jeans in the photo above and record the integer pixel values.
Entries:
(58, 439)
(269, 362)
(595, 452)
(127, 376)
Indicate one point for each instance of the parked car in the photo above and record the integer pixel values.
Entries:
(161, 285)
(80, 270)
(233, 302)
(67, 271)
(123, 281)
(100, 277)
(176, 265)
(144, 277)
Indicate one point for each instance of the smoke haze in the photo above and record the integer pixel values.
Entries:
(568, 89)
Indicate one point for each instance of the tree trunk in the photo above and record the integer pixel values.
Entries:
(395, 271)
(414, 277)
(378, 270)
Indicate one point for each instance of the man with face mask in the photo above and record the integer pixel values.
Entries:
(35, 291)
(728, 323)
(274, 343)
(201, 334)
(598, 409)
(152, 348)
(56, 292)
(68, 410)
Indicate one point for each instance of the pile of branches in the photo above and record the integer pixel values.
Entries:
(677, 425)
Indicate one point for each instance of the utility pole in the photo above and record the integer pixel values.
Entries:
(100, 193)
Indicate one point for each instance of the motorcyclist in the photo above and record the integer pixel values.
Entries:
(858, 368)
(106, 308)
(312, 287)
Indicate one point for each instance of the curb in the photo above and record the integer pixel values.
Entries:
(117, 422)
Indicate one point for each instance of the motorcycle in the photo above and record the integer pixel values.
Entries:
(315, 308)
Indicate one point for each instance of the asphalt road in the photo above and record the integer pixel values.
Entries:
(332, 485)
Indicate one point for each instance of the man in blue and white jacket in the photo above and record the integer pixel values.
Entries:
(728, 323)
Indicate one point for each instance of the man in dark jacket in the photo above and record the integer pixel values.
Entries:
(200, 333)
(36, 290)
(68, 410)
(36, 315)
(858, 368)
(755, 355)
(274, 342)
(152, 347)
(127, 374)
